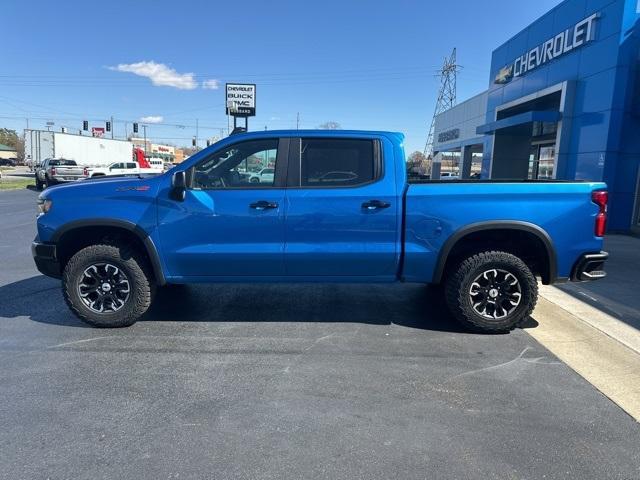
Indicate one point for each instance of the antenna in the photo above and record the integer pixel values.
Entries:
(446, 97)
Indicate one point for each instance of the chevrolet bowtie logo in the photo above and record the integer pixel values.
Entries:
(505, 75)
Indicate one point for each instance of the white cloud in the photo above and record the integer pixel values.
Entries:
(160, 74)
(211, 84)
(152, 119)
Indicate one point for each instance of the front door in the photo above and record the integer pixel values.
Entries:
(342, 209)
(542, 161)
(228, 225)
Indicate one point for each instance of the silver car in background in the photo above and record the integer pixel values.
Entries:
(58, 170)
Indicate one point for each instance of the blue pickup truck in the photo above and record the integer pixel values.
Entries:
(338, 207)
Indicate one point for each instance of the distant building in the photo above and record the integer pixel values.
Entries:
(7, 152)
(178, 156)
(166, 153)
(140, 143)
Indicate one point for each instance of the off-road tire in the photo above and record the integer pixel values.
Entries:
(137, 271)
(459, 301)
(39, 184)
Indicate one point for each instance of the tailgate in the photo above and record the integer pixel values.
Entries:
(69, 171)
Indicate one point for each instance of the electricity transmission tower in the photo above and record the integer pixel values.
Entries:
(446, 97)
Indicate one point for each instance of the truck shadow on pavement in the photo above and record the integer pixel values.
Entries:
(413, 306)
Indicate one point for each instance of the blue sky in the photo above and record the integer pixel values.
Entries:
(363, 64)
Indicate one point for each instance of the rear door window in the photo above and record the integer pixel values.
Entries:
(337, 162)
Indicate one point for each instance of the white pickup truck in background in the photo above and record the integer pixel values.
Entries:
(123, 168)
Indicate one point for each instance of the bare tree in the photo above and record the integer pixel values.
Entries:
(330, 125)
(417, 158)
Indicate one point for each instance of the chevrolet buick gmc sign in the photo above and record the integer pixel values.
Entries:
(577, 36)
(241, 99)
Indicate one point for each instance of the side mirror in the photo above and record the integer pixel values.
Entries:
(179, 186)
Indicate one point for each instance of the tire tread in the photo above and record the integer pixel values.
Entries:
(457, 299)
(137, 267)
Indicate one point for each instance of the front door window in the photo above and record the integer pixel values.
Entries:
(244, 165)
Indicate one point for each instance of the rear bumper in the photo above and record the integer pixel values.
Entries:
(68, 178)
(589, 267)
(44, 255)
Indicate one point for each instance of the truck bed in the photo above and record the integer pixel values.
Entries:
(439, 211)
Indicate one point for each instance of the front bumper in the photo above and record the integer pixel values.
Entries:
(589, 266)
(44, 254)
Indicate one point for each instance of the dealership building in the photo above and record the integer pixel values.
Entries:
(563, 102)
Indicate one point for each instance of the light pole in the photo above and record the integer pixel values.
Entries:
(144, 127)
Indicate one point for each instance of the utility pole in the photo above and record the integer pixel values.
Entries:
(196, 133)
(298, 121)
(144, 127)
(446, 98)
(111, 127)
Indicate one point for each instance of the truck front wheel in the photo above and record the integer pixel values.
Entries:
(491, 292)
(107, 285)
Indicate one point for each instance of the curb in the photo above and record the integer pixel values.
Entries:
(605, 323)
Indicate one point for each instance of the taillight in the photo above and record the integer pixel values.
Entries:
(601, 198)
(53, 170)
(85, 172)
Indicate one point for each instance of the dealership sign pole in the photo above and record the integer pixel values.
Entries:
(240, 102)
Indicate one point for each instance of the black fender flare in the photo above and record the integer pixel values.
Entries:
(539, 233)
(144, 237)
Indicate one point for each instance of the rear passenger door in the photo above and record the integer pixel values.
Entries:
(342, 211)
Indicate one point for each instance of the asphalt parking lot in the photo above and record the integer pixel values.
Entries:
(281, 381)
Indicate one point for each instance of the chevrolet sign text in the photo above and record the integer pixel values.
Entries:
(572, 38)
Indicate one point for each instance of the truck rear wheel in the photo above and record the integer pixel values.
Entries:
(108, 285)
(491, 292)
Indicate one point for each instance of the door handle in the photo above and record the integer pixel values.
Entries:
(263, 205)
(375, 205)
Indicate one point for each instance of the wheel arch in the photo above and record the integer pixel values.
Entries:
(109, 224)
(549, 270)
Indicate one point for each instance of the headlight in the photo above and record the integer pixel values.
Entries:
(44, 205)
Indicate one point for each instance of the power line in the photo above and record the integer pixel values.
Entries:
(106, 118)
(265, 80)
(364, 71)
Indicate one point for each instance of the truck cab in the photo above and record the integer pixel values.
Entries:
(338, 208)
